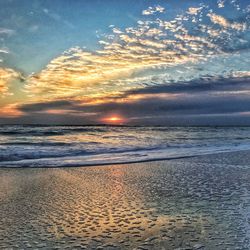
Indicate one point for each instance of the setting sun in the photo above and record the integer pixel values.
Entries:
(114, 119)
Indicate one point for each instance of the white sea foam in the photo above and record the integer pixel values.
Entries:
(26, 146)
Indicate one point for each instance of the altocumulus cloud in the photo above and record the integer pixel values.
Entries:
(128, 59)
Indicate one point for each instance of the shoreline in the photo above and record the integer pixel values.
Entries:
(80, 165)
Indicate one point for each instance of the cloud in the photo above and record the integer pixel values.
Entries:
(5, 31)
(37, 107)
(223, 22)
(242, 74)
(81, 73)
(194, 102)
(10, 111)
(153, 10)
(221, 3)
(157, 69)
(149, 110)
(130, 58)
(6, 76)
(4, 50)
(193, 11)
(234, 83)
(56, 17)
(117, 31)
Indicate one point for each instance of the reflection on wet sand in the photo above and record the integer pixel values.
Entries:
(162, 205)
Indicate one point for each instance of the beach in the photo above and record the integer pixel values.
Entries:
(200, 202)
(124, 125)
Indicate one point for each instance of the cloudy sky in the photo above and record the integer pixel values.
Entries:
(131, 62)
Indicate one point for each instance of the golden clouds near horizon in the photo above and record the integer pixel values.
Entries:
(10, 110)
(6, 76)
(111, 70)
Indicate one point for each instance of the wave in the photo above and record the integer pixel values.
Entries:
(124, 157)
(45, 144)
(46, 131)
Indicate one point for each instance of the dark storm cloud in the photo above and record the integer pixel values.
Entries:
(36, 107)
(183, 105)
(206, 83)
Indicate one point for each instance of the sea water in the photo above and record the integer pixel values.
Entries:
(56, 146)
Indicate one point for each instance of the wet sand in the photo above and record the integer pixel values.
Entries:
(195, 203)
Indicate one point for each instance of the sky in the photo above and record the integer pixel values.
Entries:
(138, 62)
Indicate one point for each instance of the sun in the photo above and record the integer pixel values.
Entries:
(115, 119)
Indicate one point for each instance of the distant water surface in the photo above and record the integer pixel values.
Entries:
(55, 146)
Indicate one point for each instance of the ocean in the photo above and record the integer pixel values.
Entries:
(62, 146)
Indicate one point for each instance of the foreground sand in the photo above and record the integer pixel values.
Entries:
(197, 203)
